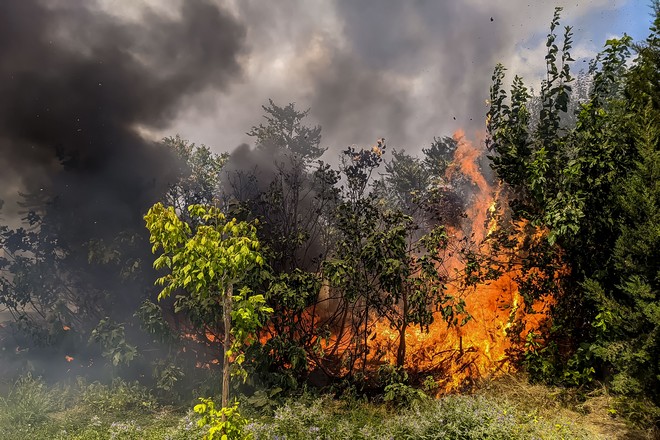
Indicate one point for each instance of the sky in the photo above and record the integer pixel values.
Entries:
(88, 86)
(403, 70)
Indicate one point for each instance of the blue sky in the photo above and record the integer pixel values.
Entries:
(634, 18)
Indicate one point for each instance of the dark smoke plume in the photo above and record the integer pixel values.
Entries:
(75, 85)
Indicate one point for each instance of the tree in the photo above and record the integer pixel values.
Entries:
(628, 320)
(199, 177)
(208, 259)
(384, 269)
(282, 184)
(591, 190)
(286, 132)
(59, 287)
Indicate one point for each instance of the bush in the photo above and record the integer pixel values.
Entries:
(453, 417)
(29, 402)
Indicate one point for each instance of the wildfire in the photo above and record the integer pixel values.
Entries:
(456, 356)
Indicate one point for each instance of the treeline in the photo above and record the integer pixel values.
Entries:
(594, 188)
(370, 240)
(344, 247)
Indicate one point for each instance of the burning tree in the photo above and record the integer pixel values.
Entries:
(591, 190)
(383, 269)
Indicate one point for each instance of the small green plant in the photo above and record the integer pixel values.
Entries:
(167, 375)
(397, 391)
(430, 385)
(111, 336)
(223, 424)
(403, 395)
(265, 400)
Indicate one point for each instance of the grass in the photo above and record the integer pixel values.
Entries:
(31, 410)
(453, 417)
(509, 408)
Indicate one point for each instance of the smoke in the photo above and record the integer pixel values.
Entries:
(399, 70)
(77, 85)
(279, 187)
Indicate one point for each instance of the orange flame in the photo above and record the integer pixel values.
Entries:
(456, 356)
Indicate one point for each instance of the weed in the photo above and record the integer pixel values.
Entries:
(29, 402)
(120, 396)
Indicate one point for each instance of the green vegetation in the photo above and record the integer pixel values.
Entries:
(208, 263)
(508, 410)
(30, 409)
(595, 188)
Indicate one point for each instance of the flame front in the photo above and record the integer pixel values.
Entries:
(456, 356)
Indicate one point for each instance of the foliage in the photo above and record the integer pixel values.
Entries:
(289, 191)
(285, 131)
(402, 395)
(207, 263)
(224, 423)
(61, 272)
(383, 267)
(420, 187)
(217, 254)
(51, 286)
(152, 321)
(110, 335)
(199, 179)
(593, 188)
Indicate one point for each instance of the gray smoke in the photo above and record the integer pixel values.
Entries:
(402, 70)
(77, 83)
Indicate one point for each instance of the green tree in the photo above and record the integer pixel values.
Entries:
(593, 188)
(628, 320)
(207, 260)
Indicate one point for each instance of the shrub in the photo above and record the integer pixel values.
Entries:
(120, 396)
(29, 402)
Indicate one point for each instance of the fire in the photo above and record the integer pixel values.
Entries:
(457, 356)
(454, 356)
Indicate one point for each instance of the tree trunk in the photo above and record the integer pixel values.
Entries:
(401, 350)
(226, 345)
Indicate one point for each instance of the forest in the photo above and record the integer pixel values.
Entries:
(496, 285)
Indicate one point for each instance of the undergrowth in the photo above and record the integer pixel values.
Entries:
(505, 409)
(452, 417)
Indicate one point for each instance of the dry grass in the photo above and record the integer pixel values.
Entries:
(596, 411)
